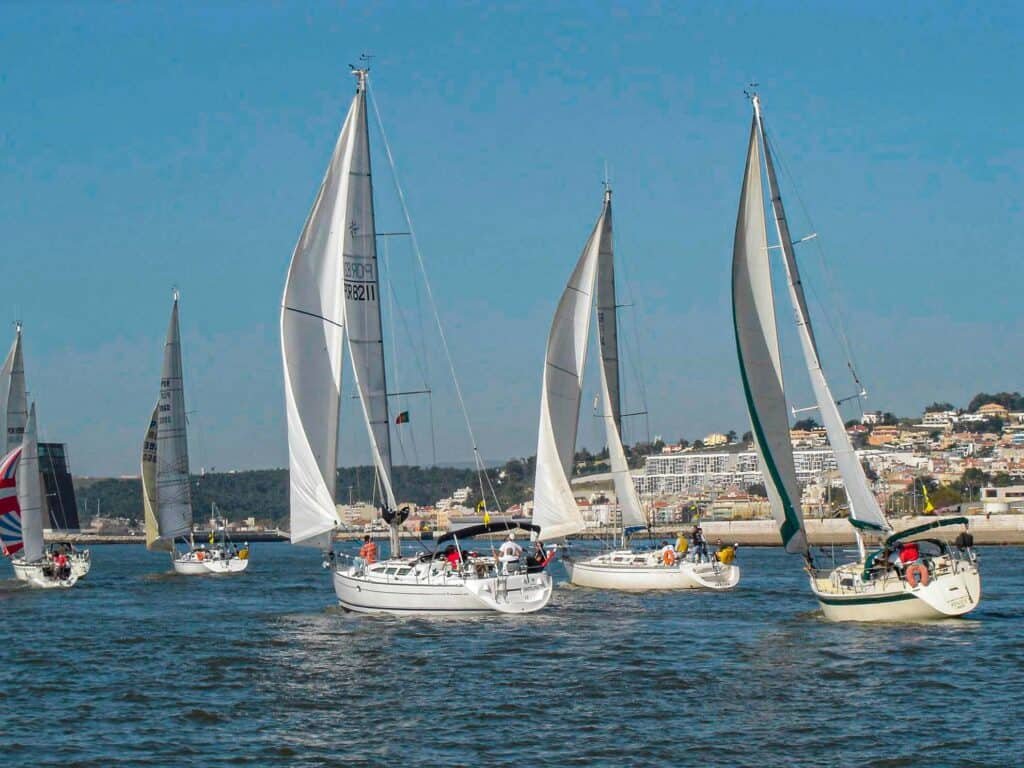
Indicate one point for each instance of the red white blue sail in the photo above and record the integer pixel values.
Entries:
(10, 510)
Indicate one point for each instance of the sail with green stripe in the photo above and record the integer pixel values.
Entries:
(757, 346)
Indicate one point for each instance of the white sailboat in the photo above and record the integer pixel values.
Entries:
(331, 300)
(22, 516)
(14, 413)
(874, 588)
(166, 480)
(555, 509)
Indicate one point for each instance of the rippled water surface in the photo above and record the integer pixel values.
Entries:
(137, 666)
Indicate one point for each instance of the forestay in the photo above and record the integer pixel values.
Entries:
(312, 339)
(30, 492)
(863, 505)
(362, 296)
(13, 398)
(757, 345)
(173, 485)
(555, 509)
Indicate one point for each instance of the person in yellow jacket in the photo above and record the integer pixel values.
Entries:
(682, 545)
(727, 554)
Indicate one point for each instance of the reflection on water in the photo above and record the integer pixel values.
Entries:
(140, 667)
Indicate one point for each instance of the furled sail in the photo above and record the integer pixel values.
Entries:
(30, 492)
(607, 315)
(173, 485)
(757, 345)
(149, 498)
(312, 339)
(864, 507)
(13, 398)
(554, 506)
(362, 296)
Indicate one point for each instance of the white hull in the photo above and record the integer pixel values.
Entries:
(80, 565)
(33, 575)
(632, 572)
(190, 564)
(953, 591)
(432, 590)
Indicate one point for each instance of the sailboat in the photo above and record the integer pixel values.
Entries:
(166, 481)
(876, 587)
(21, 516)
(331, 302)
(555, 509)
(14, 413)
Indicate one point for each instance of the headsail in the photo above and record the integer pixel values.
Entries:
(757, 344)
(30, 492)
(10, 511)
(149, 499)
(13, 398)
(555, 509)
(362, 295)
(173, 484)
(312, 338)
(863, 505)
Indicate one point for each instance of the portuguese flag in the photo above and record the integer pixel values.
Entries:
(402, 418)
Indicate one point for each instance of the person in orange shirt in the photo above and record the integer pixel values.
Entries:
(368, 551)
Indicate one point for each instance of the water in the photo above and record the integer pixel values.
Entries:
(139, 667)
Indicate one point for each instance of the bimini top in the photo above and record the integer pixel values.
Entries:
(942, 523)
(495, 527)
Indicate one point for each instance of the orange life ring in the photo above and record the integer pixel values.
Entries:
(668, 557)
(917, 573)
(200, 555)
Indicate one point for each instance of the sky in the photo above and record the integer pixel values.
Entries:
(147, 146)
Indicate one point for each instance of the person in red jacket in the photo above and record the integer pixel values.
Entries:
(909, 553)
(368, 551)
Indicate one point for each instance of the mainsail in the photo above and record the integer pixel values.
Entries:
(362, 296)
(864, 507)
(149, 498)
(30, 492)
(13, 398)
(312, 338)
(555, 509)
(173, 485)
(757, 345)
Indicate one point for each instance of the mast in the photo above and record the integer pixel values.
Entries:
(864, 510)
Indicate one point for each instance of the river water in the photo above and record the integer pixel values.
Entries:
(136, 666)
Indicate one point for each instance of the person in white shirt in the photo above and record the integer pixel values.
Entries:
(509, 552)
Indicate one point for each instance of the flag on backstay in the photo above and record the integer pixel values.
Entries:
(402, 418)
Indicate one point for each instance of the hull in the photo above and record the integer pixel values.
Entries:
(203, 563)
(80, 565)
(427, 591)
(35, 576)
(631, 572)
(952, 592)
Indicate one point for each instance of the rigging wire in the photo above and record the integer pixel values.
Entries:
(481, 468)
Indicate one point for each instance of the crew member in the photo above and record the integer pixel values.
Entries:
(510, 552)
(368, 552)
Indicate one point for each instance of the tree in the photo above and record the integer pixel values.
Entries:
(889, 419)
(757, 489)
(748, 436)
(988, 425)
(1001, 480)
(1011, 401)
(731, 436)
(698, 443)
(939, 407)
(851, 423)
(684, 443)
(806, 424)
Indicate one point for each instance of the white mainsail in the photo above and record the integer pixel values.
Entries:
(30, 492)
(607, 323)
(757, 345)
(864, 507)
(173, 484)
(554, 506)
(13, 398)
(362, 296)
(312, 339)
(149, 498)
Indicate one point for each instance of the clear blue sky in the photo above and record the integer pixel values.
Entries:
(149, 145)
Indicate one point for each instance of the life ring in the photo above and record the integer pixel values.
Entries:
(917, 573)
(668, 557)
(200, 556)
